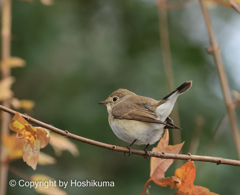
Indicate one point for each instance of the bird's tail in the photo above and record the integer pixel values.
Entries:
(181, 89)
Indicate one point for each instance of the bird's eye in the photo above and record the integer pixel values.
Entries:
(115, 99)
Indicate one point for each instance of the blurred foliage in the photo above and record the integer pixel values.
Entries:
(78, 52)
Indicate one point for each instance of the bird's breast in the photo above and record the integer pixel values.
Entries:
(129, 130)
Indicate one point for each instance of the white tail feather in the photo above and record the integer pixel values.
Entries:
(164, 110)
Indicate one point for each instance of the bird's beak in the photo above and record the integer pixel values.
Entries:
(103, 102)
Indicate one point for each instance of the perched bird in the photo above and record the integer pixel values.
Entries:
(141, 120)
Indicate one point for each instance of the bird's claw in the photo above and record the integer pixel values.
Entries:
(130, 152)
(146, 154)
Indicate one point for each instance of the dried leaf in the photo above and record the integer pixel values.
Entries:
(45, 159)
(183, 177)
(186, 174)
(13, 62)
(34, 139)
(47, 2)
(13, 146)
(5, 88)
(31, 153)
(48, 185)
(171, 181)
(159, 166)
(25, 104)
(60, 143)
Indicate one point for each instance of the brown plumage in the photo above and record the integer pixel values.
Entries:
(149, 117)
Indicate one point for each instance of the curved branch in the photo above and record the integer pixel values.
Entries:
(65, 133)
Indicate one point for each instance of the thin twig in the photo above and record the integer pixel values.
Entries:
(222, 76)
(5, 72)
(65, 133)
(167, 63)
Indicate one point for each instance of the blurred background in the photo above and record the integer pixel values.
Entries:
(78, 52)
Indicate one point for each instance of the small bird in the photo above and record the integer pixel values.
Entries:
(141, 120)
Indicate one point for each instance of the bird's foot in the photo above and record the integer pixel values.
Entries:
(146, 152)
(130, 152)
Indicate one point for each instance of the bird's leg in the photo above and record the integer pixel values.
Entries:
(130, 148)
(145, 149)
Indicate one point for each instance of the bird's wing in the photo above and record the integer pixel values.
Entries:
(131, 111)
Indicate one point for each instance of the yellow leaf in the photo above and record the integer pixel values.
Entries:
(13, 146)
(45, 159)
(60, 143)
(13, 62)
(46, 185)
(26, 104)
(5, 88)
(34, 139)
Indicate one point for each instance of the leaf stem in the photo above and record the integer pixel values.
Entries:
(145, 186)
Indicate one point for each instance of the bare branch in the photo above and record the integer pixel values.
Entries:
(222, 76)
(5, 72)
(65, 133)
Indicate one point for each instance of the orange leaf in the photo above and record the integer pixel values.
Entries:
(186, 174)
(171, 181)
(34, 139)
(159, 166)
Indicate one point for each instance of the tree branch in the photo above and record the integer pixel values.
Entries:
(5, 72)
(65, 133)
(214, 50)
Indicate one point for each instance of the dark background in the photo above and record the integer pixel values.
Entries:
(78, 52)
